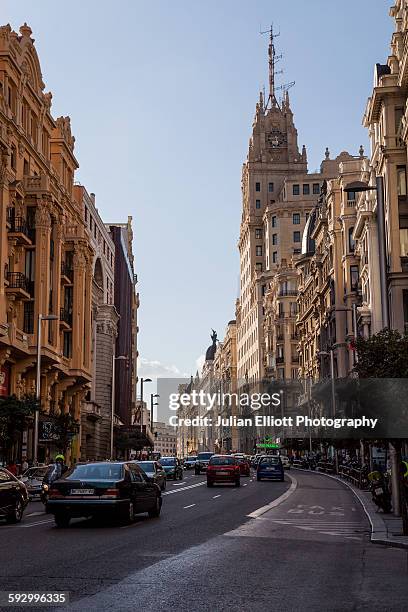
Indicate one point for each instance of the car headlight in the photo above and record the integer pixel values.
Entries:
(45, 487)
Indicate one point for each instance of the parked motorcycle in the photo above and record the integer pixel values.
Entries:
(380, 491)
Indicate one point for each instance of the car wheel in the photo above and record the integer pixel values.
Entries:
(175, 477)
(163, 487)
(210, 484)
(16, 514)
(130, 513)
(238, 483)
(258, 478)
(181, 475)
(62, 520)
(155, 512)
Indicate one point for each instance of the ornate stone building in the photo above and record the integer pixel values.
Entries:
(278, 195)
(329, 285)
(382, 216)
(97, 406)
(46, 257)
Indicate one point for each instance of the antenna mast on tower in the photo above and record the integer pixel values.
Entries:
(273, 59)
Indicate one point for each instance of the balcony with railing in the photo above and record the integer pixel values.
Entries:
(287, 292)
(18, 285)
(65, 318)
(67, 273)
(18, 230)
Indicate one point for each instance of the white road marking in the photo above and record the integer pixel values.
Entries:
(36, 513)
(198, 484)
(190, 506)
(215, 496)
(177, 484)
(275, 502)
(245, 484)
(37, 523)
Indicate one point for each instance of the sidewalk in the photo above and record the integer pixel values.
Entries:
(385, 528)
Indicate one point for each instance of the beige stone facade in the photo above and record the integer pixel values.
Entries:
(46, 256)
(386, 118)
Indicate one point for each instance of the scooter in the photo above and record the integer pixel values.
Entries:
(380, 492)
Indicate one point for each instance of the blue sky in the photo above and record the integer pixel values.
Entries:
(161, 97)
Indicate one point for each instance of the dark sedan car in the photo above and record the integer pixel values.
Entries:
(154, 472)
(172, 467)
(117, 489)
(189, 462)
(270, 467)
(202, 462)
(13, 497)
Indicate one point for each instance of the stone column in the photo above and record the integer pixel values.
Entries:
(42, 257)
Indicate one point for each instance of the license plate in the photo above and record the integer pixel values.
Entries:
(221, 473)
(270, 469)
(378, 491)
(82, 491)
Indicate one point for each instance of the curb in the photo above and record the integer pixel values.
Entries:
(378, 533)
(257, 513)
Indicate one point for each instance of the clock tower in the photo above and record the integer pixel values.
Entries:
(273, 156)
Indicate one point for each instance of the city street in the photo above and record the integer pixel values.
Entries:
(310, 552)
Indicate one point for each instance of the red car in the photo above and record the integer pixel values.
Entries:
(244, 466)
(223, 468)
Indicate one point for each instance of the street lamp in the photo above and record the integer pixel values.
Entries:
(114, 360)
(142, 380)
(152, 397)
(360, 187)
(41, 318)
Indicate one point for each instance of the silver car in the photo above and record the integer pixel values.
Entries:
(33, 478)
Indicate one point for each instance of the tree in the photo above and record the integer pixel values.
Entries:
(68, 427)
(15, 416)
(385, 355)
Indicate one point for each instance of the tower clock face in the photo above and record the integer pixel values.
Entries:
(275, 138)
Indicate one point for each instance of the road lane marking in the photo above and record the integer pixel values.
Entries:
(190, 506)
(37, 523)
(215, 496)
(245, 484)
(257, 513)
(35, 514)
(198, 484)
(177, 484)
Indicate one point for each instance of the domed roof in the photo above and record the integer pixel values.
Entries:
(210, 353)
(308, 244)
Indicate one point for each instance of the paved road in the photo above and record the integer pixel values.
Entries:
(208, 551)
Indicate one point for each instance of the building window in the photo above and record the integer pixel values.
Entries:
(67, 344)
(274, 256)
(351, 241)
(13, 159)
(351, 196)
(296, 189)
(259, 267)
(258, 233)
(270, 187)
(296, 218)
(263, 289)
(273, 221)
(296, 236)
(274, 238)
(354, 278)
(26, 168)
(257, 186)
(258, 251)
(306, 189)
(402, 180)
(258, 204)
(297, 251)
(316, 188)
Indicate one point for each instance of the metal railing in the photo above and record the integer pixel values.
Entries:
(66, 316)
(286, 292)
(357, 476)
(17, 280)
(66, 270)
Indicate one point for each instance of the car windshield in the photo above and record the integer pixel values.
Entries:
(269, 461)
(222, 461)
(205, 456)
(190, 459)
(168, 461)
(96, 471)
(147, 466)
(35, 473)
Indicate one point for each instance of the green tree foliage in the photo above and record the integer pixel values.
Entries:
(383, 355)
(15, 415)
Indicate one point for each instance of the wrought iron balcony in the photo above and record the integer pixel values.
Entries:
(287, 292)
(65, 318)
(67, 273)
(18, 285)
(19, 230)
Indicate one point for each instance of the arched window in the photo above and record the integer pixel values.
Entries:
(351, 241)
